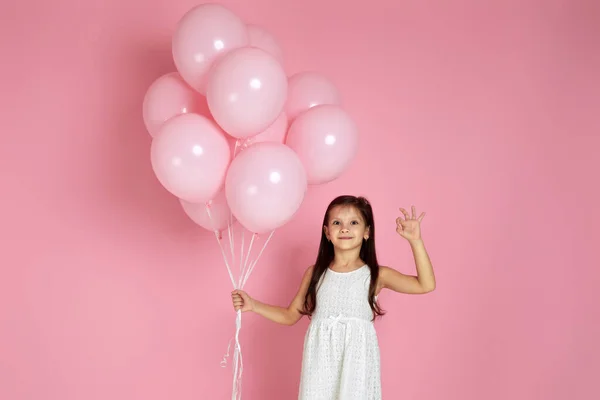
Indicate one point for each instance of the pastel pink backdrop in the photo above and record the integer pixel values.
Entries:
(482, 114)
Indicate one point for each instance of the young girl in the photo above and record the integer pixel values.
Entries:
(339, 294)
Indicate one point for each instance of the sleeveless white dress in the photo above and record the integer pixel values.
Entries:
(341, 352)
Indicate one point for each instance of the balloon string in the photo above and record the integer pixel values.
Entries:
(230, 231)
(245, 271)
(245, 265)
(237, 360)
(218, 236)
(253, 264)
(237, 354)
(230, 234)
(242, 252)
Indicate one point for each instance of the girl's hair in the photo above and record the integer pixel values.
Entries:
(326, 254)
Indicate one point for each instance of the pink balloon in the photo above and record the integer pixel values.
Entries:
(167, 97)
(265, 186)
(220, 213)
(263, 39)
(274, 133)
(326, 140)
(309, 89)
(190, 157)
(205, 33)
(246, 91)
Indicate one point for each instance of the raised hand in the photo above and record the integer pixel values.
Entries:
(409, 227)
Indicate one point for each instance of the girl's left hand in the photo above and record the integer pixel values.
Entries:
(409, 227)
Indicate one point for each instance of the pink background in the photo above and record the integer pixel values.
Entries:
(480, 113)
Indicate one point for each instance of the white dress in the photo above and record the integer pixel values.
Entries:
(341, 352)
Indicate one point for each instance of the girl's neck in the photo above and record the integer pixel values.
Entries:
(347, 260)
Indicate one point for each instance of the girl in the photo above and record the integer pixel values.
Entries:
(339, 294)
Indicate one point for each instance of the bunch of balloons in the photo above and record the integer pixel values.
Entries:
(266, 138)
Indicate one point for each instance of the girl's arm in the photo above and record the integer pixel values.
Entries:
(424, 282)
(410, 229)
(281, 315)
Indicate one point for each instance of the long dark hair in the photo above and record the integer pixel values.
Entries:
(326, 254)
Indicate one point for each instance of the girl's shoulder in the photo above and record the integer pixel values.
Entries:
(308, 273)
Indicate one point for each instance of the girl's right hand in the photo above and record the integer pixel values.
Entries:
(241, 301)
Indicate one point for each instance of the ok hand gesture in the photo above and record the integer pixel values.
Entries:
(409, 227)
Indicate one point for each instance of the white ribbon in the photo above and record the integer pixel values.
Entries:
(345, 322)
(246, 269)
(342, 320)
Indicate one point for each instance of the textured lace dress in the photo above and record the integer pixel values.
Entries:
(341, 352)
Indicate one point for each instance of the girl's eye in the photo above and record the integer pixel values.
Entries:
(335, 223)
(354, 222)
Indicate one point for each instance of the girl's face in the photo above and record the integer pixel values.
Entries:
(346, 228)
